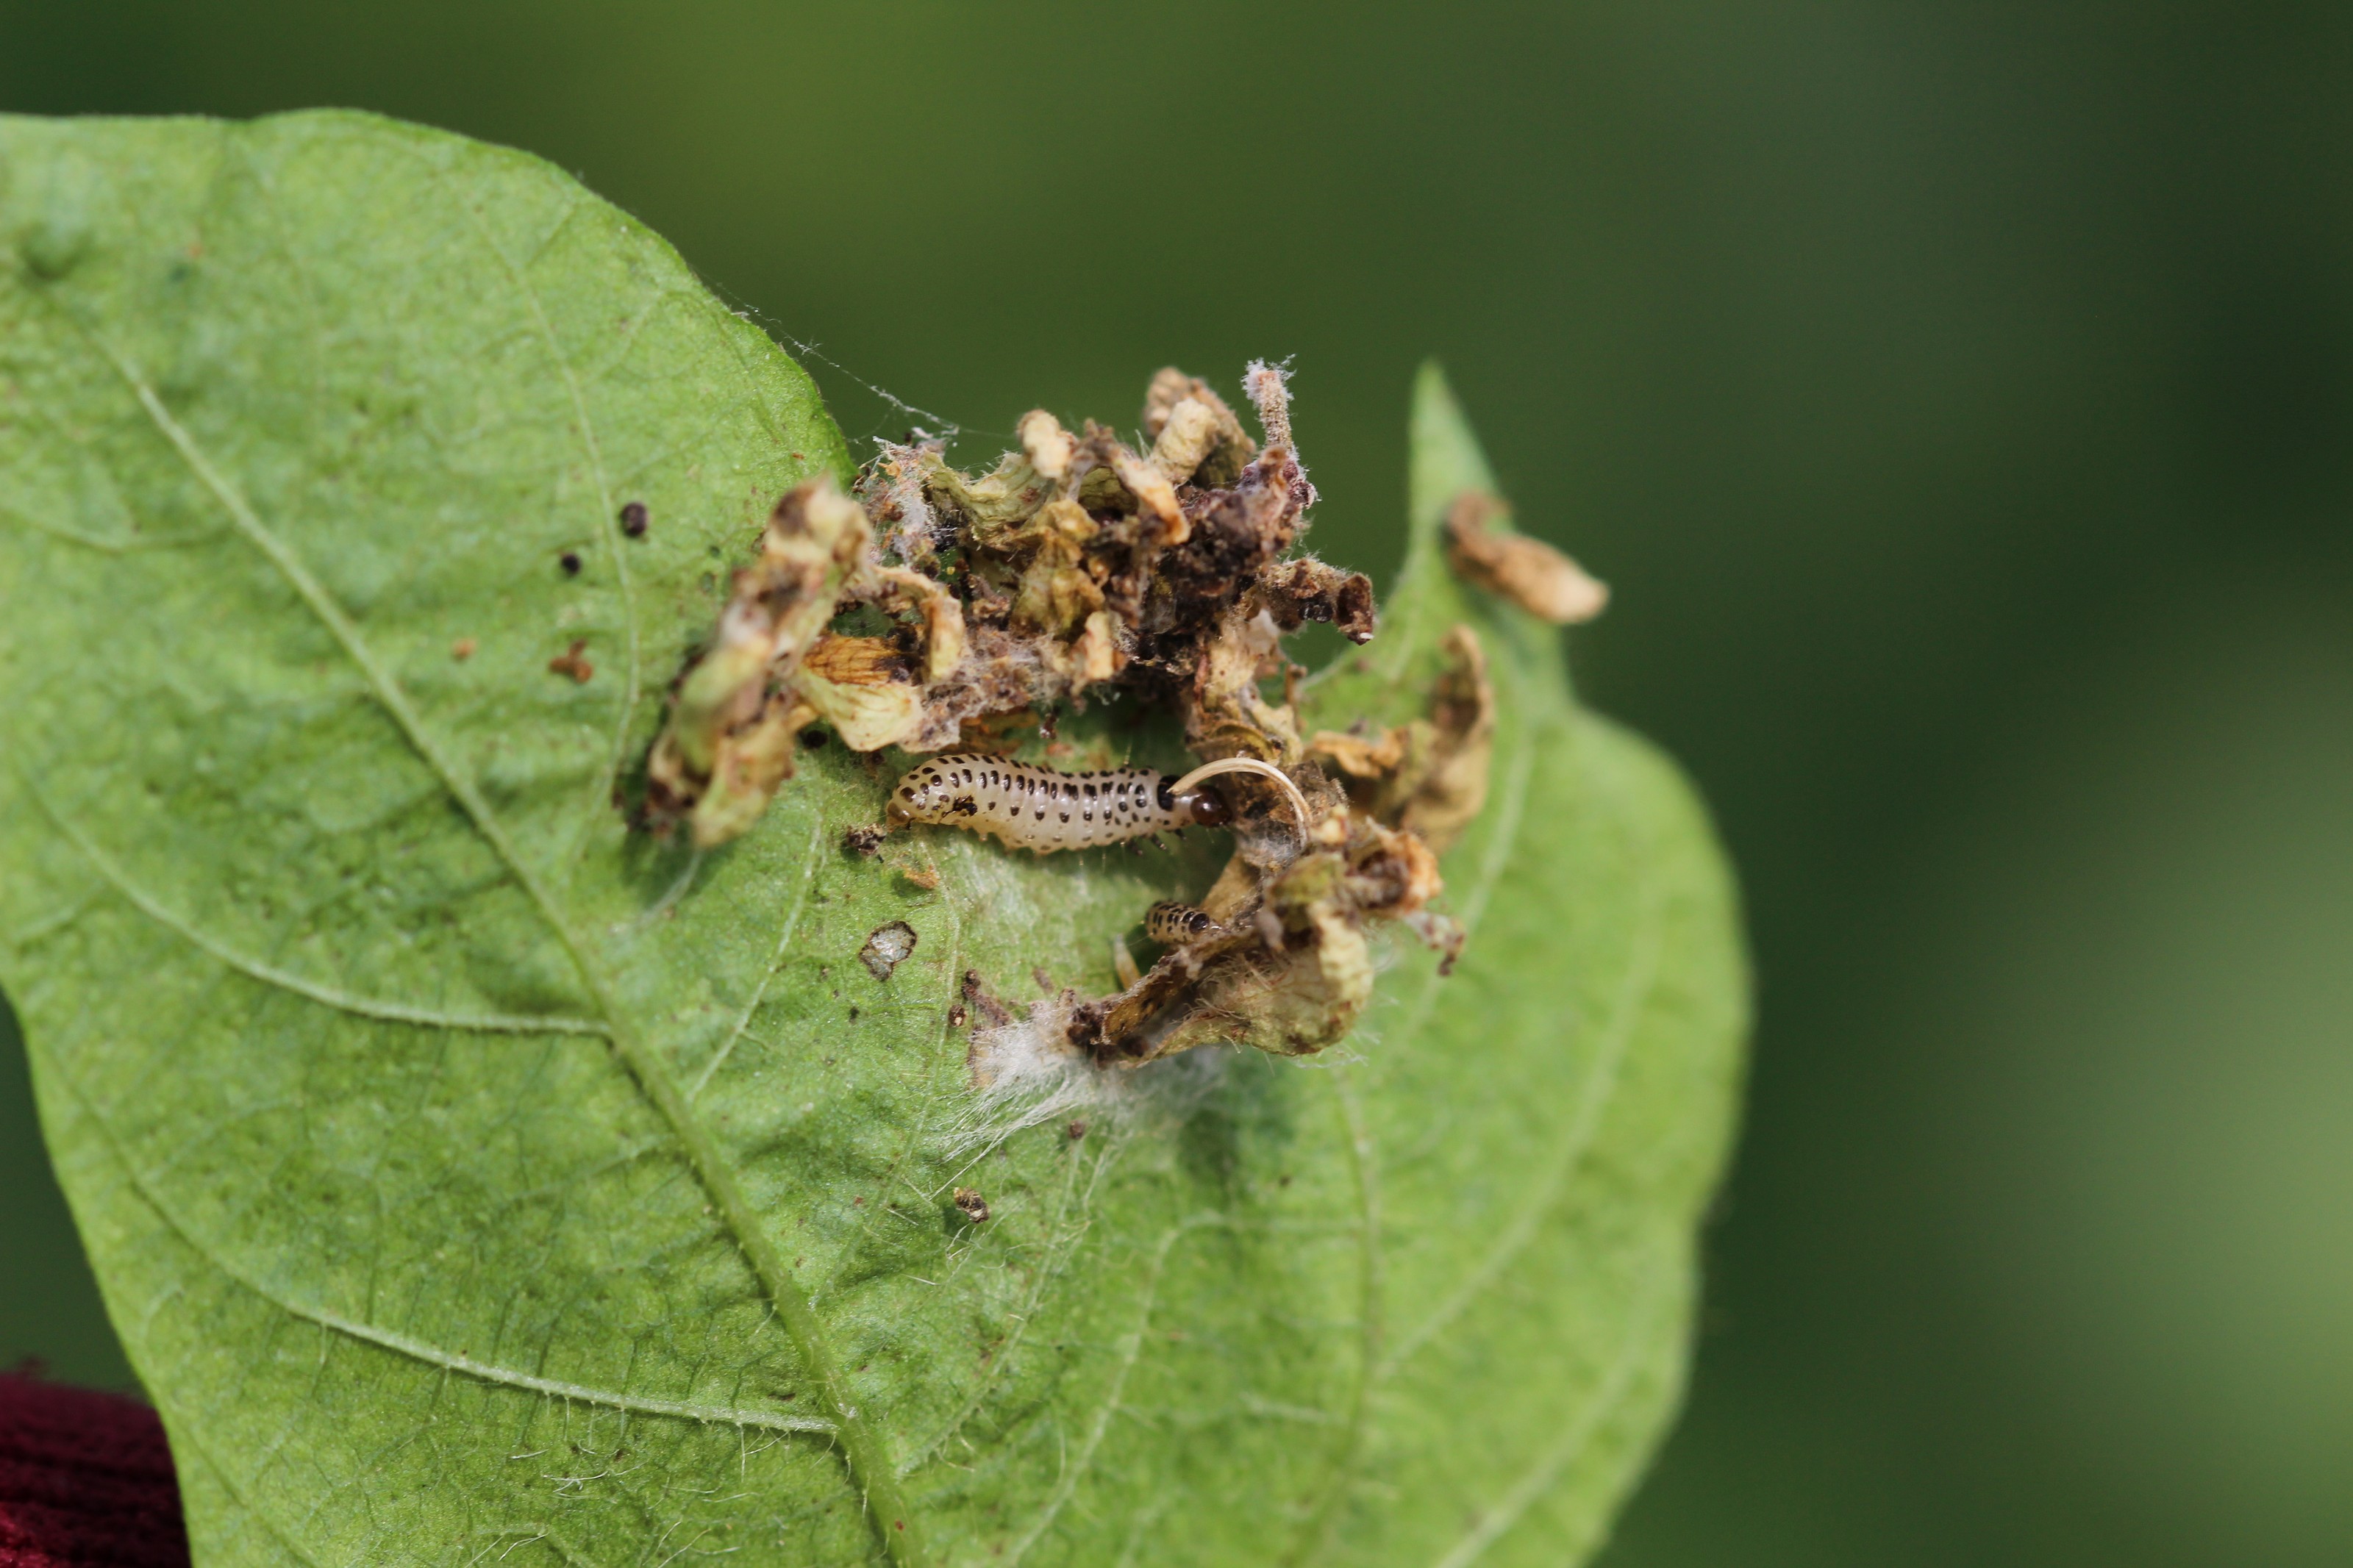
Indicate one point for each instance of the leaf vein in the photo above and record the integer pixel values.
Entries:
(775, 959)
(1593, 1102)
(1616, 1383)
(1131, 1349)
(870, 1464)
(609, 526)
(254, 969)
(420, 1349)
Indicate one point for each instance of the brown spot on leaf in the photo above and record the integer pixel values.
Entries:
(572, 662)
(975, 991)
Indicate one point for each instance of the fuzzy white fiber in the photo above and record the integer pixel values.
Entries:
(1026, 1072)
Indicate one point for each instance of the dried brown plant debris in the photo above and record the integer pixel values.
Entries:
(573, 661)
(1284, 965)
(942, 610)
(1528, 571)
(1076, 566)
(737, 708)
(1429, 775)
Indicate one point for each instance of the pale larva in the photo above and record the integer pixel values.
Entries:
(1030, 807)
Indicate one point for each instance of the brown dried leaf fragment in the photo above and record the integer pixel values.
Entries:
(942, 614)
(1298, 592)
(1057, 591)
(1047, 445)
(1156, 497)
(728, 741)
(1279, 962)
(752, 760)
(1428, 775)
(998, 501)
(1451, 788)
(864, 687)
(1528, 571)
(1228, 447)
(1359, 756)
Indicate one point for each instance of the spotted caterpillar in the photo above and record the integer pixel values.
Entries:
(1030, 807)
(1172, 925)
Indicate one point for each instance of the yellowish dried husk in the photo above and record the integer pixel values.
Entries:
(1096, 653)
(1185, 441)
(1047, 445)
(860, 687)
(1528, 571)
(1153, 494)
(1359, 756)
(752, 763)
(943, 631)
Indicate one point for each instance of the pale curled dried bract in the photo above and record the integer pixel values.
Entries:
(1528, 571)
(728, 744)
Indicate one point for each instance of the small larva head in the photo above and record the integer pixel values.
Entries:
(1188, 794)
(1201, 804)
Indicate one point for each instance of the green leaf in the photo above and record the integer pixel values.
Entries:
(470, 1177)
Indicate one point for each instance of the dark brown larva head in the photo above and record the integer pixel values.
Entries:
(1199, 804)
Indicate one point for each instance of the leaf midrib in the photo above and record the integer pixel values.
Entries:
(873, 1473)
(254, 969)
(409, 1345)
(1316, 1535)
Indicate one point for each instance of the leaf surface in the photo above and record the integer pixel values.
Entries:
(469, 1176)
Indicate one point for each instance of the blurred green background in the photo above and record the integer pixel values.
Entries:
(1957, 398)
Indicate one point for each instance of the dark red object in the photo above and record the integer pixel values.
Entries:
(85, 1478)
